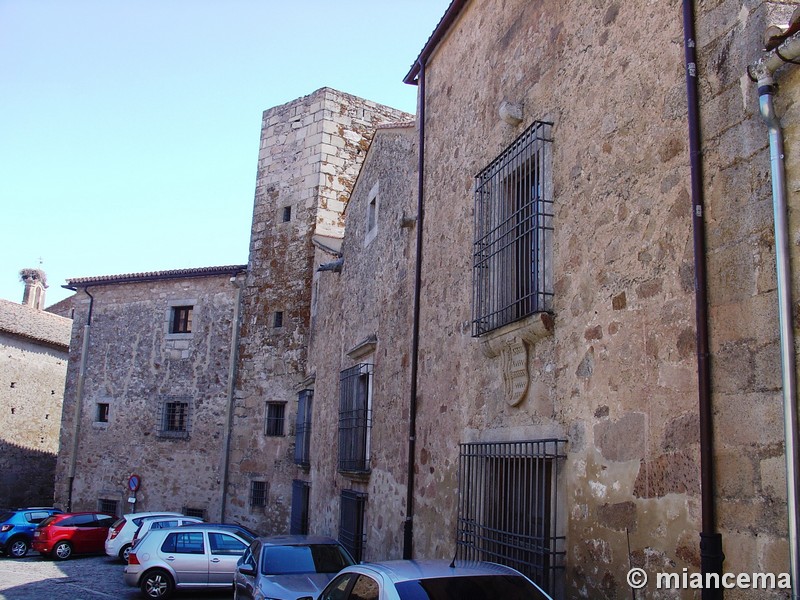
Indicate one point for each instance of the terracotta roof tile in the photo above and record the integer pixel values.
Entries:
(151, 275)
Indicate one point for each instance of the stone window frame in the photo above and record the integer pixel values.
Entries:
(275, 418)
(169, 314)
(284, 211)
(259, 494)
(371, 214)
(96, 423)
(170, 432)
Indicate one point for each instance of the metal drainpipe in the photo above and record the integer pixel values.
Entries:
(79, 400)
(232, 372)
(766, 91)
(408, 526)
(711, 555)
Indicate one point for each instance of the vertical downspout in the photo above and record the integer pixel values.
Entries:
(408, 526)
(766, 90)
(79, 399)
(231, 388)
(711, 555)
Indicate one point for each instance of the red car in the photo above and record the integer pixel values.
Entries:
(61, 536)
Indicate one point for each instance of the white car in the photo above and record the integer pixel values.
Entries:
(120, 536)
(161, 523)
(189, 557)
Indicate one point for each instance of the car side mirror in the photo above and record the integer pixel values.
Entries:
(246, 570)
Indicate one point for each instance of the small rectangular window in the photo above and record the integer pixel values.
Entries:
(181, 321)
(258, 494)
(200, 513)
(174, 420)
(275, 418)
(102, 412)
(278, 320)
(372, 211)
(287, 214)
(105, 505)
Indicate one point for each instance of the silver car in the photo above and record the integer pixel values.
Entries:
(431, 580)
(285, 567)
(184, 558)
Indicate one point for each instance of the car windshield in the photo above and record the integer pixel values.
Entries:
(475, 587)
(317, 558)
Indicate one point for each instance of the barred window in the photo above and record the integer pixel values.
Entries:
(507, 506)
(512, 270)
(298, 522)
(355, 418)
(200, 513)
(174, 418)
(105, 505)
(181, 319)
(258, 494)
(302, 444)
(273, 422)
(351, 522)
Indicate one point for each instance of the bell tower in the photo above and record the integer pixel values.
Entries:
(35, 285)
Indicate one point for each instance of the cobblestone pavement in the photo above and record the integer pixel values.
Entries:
(81, 578)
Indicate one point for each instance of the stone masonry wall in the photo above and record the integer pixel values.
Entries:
(617, 375)
(750, 462)
(31, 393)
(311, 150)
(372, 297)
(134, 365)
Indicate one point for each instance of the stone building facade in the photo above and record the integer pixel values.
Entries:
(361, 328)
(148, 391)
(590, 401)
(34, 348)
(311, 151)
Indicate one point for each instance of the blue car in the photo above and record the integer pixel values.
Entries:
(17, 527)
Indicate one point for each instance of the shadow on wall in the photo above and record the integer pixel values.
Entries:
(27, 476)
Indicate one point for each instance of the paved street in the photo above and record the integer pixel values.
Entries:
(81, 578)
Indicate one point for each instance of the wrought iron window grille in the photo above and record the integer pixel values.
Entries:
(258, 494)
(508, 506)
(355, 418)
(302, 443)
(512, 265)
(352, 533)
(274, 419)
(174, 418)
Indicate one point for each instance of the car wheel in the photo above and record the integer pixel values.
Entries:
(18, 547)
(157, 584)
(62, 551)
(124, 553)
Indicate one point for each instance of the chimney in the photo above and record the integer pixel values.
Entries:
(35, 284)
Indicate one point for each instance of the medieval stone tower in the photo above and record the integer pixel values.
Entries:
(310, 155)
(35, 285)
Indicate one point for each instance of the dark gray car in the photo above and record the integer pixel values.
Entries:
(287, 567)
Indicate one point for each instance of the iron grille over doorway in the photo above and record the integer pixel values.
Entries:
(507, 509)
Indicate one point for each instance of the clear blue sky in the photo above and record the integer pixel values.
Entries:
(129, 129)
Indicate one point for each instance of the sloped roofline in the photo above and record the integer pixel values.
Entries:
(79, 282)
(450, 16)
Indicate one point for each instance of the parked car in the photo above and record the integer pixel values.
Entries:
(184, 558)
(288, 567)
(120, 536)
(17, 526)
(243, 532)
(161, 523)
(431, 580)
(60, 536)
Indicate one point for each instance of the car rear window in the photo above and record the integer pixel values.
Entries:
(474, 587)
(5, 516)
(119, 523)
(318, 558)
(47, 521)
